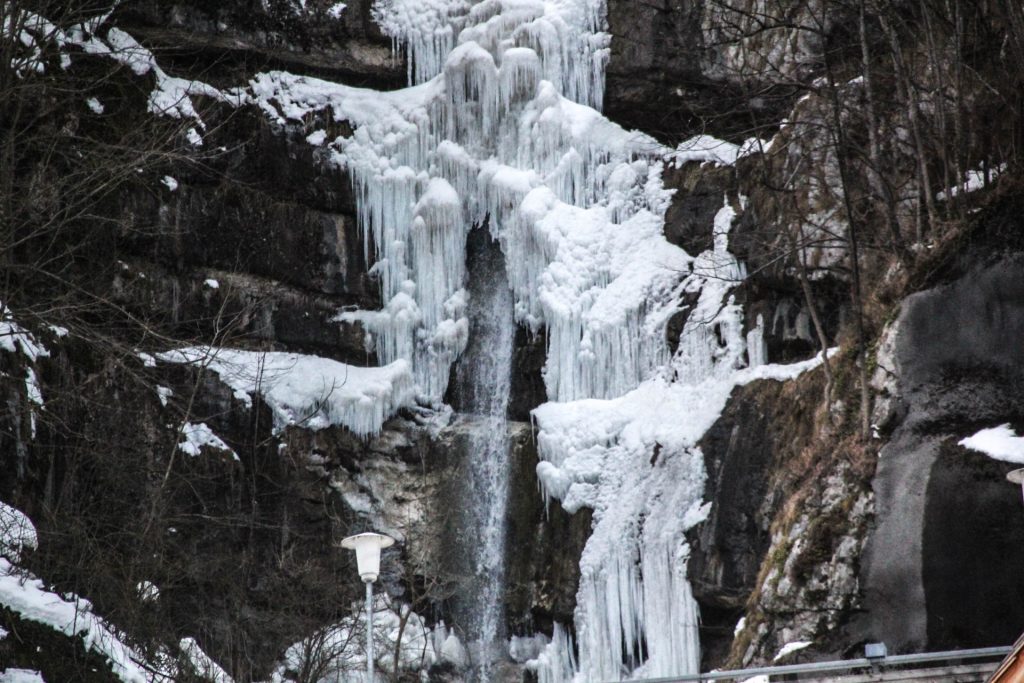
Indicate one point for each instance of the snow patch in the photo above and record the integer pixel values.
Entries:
(316, 138)
(21, 676)
(15, 338)
(17, 533)
(308, 391)
(201, 663)
(27, 597)
(340, 650)
(94, 105)
(147, 591)
(1000, 443)
(790, 648)
(170, 183)
(973, 180)
(199, 435)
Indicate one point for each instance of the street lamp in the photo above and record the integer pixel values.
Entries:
(368, 547)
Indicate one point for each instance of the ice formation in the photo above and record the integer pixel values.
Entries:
(634, 460)
(575, 201)
(500, 127)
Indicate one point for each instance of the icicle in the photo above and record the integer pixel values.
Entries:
(757, 350)
(520, 74)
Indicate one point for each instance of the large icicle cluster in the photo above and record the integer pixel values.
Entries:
(564, 36)
(502, 128)
(634, 460)
(576, 202)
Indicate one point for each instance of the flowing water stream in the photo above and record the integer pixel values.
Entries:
(483, 380)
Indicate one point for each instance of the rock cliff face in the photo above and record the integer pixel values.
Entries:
(955, 370)
(813, 535)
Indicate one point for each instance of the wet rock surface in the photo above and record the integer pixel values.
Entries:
(665, 79)
(243, 38)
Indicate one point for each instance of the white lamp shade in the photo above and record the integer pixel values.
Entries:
(368, 547)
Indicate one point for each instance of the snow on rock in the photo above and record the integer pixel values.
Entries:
(171, 96)
(199, 435)
(211, 283)
(17, 533)
(21, 676)
(1001, 443)
(710, 150)
(15, 338)
(201, 663)
(27, 597)
(170, 183)
(147, 591)
(308, 391)
(705, 149)
(973, 180)
(790, 648)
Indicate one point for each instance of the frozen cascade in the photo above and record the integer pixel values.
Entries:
(507, 133)
(576, 202)
(483, 380)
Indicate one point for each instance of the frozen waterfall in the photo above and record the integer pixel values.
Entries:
(500, 126)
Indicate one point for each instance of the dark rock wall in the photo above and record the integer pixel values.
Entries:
(950, 511)
(667, 77)
(229, 42)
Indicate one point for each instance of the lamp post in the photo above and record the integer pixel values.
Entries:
(368, 547)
